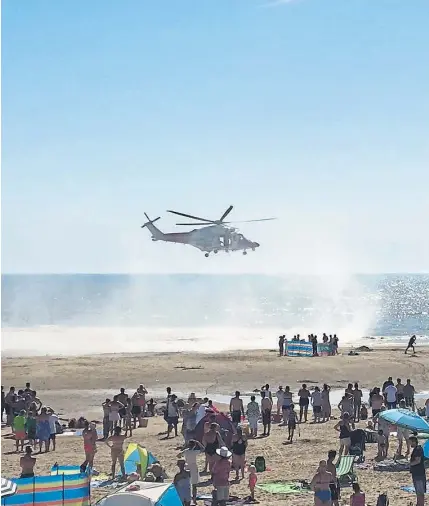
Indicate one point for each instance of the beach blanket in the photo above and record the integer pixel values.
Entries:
(77, 432)
(282, 487)
(392, 465)
(411, 489)
(104, 481)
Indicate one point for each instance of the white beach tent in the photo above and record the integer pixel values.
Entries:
(148, 494)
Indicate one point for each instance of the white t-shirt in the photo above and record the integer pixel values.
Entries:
(390, 392)
(280, 396)
(52, 420)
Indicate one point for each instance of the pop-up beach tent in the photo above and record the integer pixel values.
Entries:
(136, 454)
(227, 429)
(141, 493)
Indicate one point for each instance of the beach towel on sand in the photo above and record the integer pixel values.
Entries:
(411, 489)
(282, 487)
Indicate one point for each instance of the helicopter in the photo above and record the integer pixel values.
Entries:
(213, 236)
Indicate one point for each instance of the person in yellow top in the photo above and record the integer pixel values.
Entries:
(19, 430)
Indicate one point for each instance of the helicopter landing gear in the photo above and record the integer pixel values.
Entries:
(215, 251)
(244, 252)
(206, 255)
(253, 249)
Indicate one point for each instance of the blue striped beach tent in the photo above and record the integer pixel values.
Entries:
(142, 493)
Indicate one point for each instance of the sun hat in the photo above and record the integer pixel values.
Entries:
(224, 452)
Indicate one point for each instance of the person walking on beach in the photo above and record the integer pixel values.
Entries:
(411, 343)
(266, 408)
(236, 408)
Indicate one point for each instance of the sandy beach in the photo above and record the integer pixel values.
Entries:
(76, 386)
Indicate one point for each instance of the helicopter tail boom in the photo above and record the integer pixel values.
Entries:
(156, 233)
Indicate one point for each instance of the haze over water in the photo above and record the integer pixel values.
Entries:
(78, 314)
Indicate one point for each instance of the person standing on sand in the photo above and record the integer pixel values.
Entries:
(316, 402)
(123, 398)
(212, 441)
(116, 445)
(236, 408)
(357, 402)
(281, 346)
(172, 415)
(182, 482)
(409, 392)
(418, 471)
(280, 394)
(287, 403)
(90, 437)
(266, 408)
(304, 396)
(239, 446)
(326, 403)
(43, 430)
(221, 470)
(106, 419)
(343, 427)
(321, 485)
(253, 412)
(115, 408)
(53, 421)
(334, 485)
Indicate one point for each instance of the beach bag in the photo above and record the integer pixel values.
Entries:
(383, 500)
(260, 464)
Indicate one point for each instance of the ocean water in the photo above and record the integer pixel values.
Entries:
(75, 314)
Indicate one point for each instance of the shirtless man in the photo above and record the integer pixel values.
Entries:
(116, 445)
(27, 463)
(123, 398)
(334, 485)
(321, 485)
(266, 407)
(236, 408)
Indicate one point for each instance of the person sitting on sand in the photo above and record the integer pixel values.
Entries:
(116, 445)
(236, 408)
(90, 437)
(239, 446)
(27, 463)
(321, 485)
(253, 412)
(343, 427)
(182, 482)
(358, 497)
(212, 440)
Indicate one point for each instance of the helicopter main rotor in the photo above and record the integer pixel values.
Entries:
(205, 221)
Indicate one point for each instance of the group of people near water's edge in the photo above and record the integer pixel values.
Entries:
(330, 342)
(224, 449)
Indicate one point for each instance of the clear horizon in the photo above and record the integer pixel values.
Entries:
(313, 112)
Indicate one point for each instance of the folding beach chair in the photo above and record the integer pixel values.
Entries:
(345, 472)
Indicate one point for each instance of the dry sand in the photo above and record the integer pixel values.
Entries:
(78, 385)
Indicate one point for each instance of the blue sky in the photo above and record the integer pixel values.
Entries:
(309, 110)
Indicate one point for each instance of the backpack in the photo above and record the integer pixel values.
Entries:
(383, 500)
(260, 464)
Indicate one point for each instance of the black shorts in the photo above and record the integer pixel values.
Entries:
(335, 492)
(236, 416)
(400, 397)
(266, 417)
(136, 410)
(52, 437)
(172, 421)
(122, 412)
(317, 409)
(303, 401)
(292, 424)
(375, 411)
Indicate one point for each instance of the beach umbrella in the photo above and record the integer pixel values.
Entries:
(405, 418)
(7, 487)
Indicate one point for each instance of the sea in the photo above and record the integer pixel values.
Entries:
(74, 314)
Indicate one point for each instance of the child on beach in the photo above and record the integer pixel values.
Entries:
(30, 428)
(292, 421)
(19, 430)
(382, 445)
(128, 425)
(253, 479)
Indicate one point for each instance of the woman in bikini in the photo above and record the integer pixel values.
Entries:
(239, 445)
(116, 445)
(320, 484)
(90, 437)
(212, 440)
